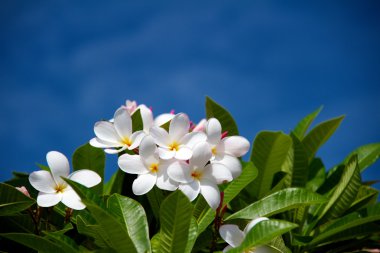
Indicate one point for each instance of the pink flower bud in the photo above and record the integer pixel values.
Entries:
(200, 127)
(23, 190)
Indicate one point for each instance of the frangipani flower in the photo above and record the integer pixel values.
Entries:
(162, 119)
(178, 142)
(199, 176)
(116, 135)
(234, 236)
(226, 150)
(53, 189)
(151, 170)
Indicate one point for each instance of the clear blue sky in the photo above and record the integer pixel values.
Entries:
(66, 64)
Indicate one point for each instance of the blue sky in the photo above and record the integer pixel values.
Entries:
(66, 64)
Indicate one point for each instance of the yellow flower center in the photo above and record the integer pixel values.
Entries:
(153, 167)
(126, 141)
(174, 146)
(60, 188)
(196, 175)
(213, 150)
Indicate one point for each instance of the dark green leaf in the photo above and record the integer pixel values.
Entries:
(300, 170)
(115, 184)
(137, 122)
(301, 128)
(367, 155)
(12, 201)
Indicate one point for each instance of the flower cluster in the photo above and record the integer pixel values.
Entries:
(192, 158)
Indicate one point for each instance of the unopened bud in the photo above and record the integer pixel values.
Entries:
(23, 190)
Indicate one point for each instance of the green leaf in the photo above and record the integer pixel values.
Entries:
(91, 230)
(175, 217)
(155, 242)
(91, 158)
(12, 201)
(269, 153)
(365, 196)
(319, 135)
(193, 232)
(64, 242)
(132, 215)
(300, 170)
(278, 202)
(115, 184)
(137, 122)
(262, 233)
(316, 175)
(214, 110)
(155, 198)
(86, 194)
(367, 155)
(301, 128)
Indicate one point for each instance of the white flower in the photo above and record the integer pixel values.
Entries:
(162, 119)
(53, 189)
(200, 127)
(149, 167)
(116, 135)
(199, 176)
(234, 236)
(130, 106)
(226, 150)
(178, 142)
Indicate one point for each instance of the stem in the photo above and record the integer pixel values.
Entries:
(69, 214)
(35, 215)
(217, 222)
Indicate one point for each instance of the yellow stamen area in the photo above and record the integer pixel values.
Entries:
(196, 175)
(174, 146)
(126, 141)
(213, 150)
(153, 167)
(60, 188)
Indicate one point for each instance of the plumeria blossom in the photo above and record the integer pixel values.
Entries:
(53, 189)
(178, 142)
(150, 168)
(234, 236)
(226, 150)
(199, 176)
(200, 127)
(162, 119)
(117, 134)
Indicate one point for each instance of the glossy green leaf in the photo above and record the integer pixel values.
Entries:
(214, 110)
(137, 122)
(316, 175)
(92, 230)
(319, 135)
(262, 233)
(302, 127)
(269, 153)
(278, 202)
(193, 232)
(300, 169)
(64, 242)
(91, 158)
(86, 194)
(367, 155)
(175, 218)
(366, 195)
(115, 184)
(155, 242)
(12, 201)
(155, 198)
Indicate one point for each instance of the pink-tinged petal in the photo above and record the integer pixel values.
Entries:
(254, 223)
(226, 249)
(166, 154)
(231, 234)
(179, 126)
(217, 172)
(201, 155)
(105, 130)
(192, 139)
(183, 153)
(72, 200)
(48, 199)
(123, 123)
(42, 181)
(211, 193)
(165, 183)
(114, 151)
(235, 145)
(59, 165)
(143, 183)
(160, 136)
(200, 127)
(85, 177)
(213, 131)
(136, 139)
(132, 164)
(98, 143)
(232, 164)
(148, 149)
(180, 172)
(191, 190)
(147, 117)
(162, 119)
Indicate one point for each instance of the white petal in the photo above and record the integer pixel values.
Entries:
(165, 183)
(148, 149)
(105, 130)
(231, 234)
(123, 123)
(48, 199)
(179, 126)
(183, 153)
(59, 165)
(42, 181)
(200, 127)
(213, 131)
(147, 117)
(85, 177)
(162, 119)
(160, 136)
(166, 154)
(226, 249)
(253, 223)
(236, 145)
(191, 190)
(132, 164)
(232, 164)
(193, 138)
(201, 155)
(136, 139)
(217, 172)
(115, 151)
(180, 172)
(143, 183)
(211, 193)
(71, 199)
(98, 143)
